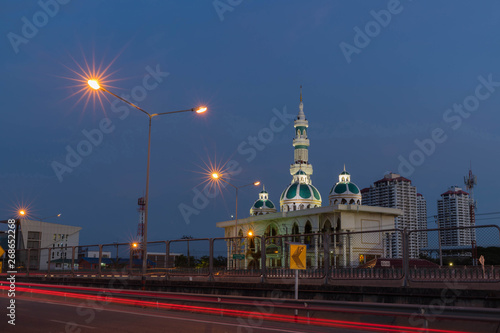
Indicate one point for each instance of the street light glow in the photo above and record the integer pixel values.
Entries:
(134, 244)
(215, 176)
(94, 84)
(257, 183)
(22, 212)
(201, 109)
(250, 233)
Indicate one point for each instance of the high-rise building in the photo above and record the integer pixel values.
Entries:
(394, 191)
(422, 221)
(453, 211)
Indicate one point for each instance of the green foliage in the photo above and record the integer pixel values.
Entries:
(202, 262)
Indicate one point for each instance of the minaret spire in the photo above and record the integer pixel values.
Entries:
(301, 115)
(301, 142)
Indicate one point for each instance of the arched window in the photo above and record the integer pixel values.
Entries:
(295, 231)
(327, 229)
(351, 202)
(343, 202)
(272, 231)
(308, 230)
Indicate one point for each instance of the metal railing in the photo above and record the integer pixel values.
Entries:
(363, 255)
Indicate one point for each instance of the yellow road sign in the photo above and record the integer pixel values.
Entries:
(297, 256)
(2, 251)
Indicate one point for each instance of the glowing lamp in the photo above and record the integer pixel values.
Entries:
(201, 109)
(93, 84)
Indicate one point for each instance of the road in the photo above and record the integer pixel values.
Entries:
(58, 317)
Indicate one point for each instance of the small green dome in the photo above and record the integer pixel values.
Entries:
(341, 188)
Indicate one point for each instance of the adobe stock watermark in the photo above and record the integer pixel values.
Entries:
(89, 308)
(453, 117)
(266, 308)
(222, 6)
(248, 148)
(437, 306)
(363, 37)
(30, 27)
(95, 137)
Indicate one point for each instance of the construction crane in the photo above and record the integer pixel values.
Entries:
(140, 227)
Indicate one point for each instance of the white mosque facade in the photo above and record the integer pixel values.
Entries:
(302, 213)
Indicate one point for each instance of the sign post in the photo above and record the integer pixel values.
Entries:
(297, 261)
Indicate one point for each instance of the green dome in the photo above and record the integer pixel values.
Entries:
(341, 188)
(299, 190)
(300, 172)
(261, 203)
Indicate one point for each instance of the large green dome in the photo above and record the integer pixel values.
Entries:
(299, 190)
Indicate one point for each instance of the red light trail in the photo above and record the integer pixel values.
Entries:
(229, 312)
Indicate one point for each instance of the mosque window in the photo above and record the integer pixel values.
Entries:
(308, 230)
(295, 231)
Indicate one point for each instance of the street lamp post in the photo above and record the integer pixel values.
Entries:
(95, 85)
(217, 176)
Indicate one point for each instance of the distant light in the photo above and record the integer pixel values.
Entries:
(134, 244)
(250, 233)
(201, 109)
(93, 84)
(451, 264)
(215, 175)
(22, 212)
(58, 215)
(257, 183)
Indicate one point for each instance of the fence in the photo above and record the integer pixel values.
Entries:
(470, 254)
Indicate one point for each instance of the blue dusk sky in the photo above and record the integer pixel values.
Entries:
(410, 87)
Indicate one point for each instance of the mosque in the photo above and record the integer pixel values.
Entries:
(301, 213)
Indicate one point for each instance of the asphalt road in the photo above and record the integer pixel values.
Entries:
(62, 317)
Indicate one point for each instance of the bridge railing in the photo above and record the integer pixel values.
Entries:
(365, 255)
(457, 253)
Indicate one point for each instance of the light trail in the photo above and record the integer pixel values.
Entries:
(236, 313)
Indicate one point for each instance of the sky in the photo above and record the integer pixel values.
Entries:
(410, 87)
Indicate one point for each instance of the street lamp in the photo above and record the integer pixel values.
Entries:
(95, 85)
(217, 176)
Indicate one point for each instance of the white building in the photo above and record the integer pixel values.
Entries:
(423, 240)
(301, 213)
(454, 211)
(37, 234)
(398, 192)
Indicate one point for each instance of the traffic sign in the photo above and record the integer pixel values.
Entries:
(239, 256)
(298, 256)
(2, 251)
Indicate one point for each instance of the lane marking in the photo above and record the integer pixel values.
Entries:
(168, 317)
(72, 323)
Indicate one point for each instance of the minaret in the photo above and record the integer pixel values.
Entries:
(301, 143)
